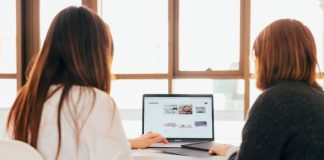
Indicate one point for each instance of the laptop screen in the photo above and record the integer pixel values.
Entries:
(179, 116)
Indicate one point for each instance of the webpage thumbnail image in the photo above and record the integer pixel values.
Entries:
(200, 109)
(175, 120)
(175, 125)
(182, 109)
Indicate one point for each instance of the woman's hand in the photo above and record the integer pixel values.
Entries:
(219, 149)
(146, 140)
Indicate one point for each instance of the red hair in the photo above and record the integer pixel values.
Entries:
(285, 50)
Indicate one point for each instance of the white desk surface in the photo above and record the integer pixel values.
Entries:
(150, 154)
(228, 132)
(225, 132)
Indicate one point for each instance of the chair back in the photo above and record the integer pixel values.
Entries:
(17, 150)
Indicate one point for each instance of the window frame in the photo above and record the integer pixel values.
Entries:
(28, 44)
(17, 75)
(173, 54)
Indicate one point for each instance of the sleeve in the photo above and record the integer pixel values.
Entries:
(118, 132)
(264, 133)
(232, 153)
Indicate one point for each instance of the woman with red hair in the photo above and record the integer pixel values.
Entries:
(286, 121)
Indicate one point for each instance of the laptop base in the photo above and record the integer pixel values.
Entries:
(169, 145)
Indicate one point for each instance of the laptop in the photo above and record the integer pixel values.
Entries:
(180, 118)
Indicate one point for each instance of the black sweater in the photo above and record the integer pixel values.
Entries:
(286, 122)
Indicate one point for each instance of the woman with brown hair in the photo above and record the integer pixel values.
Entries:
(64, 110)
(286, 121)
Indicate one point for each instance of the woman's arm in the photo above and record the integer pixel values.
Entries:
(263, 135)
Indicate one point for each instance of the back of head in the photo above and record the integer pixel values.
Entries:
(78, 50)
(285, 50)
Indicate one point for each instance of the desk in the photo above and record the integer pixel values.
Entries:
(150, 154)
(225, 132)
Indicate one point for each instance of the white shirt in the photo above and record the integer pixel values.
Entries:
(91, 127)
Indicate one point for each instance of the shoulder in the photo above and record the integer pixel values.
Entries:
(293, 87)
(89, 98)
(90, 93)
(292, 92)
(287, 96)
(97, 104)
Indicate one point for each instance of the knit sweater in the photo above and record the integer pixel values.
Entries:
(286, 122)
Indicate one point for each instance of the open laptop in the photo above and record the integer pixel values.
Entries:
(181, 118)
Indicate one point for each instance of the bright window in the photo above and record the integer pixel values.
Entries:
(228, 94)
(128, 93)
(143, 31)
(8, 49)
(209, 35)
(160, 44)
(8, 92)
(140, 33)
(8, 36)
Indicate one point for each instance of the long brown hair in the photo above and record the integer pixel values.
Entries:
(285, 50)
(78, 50)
